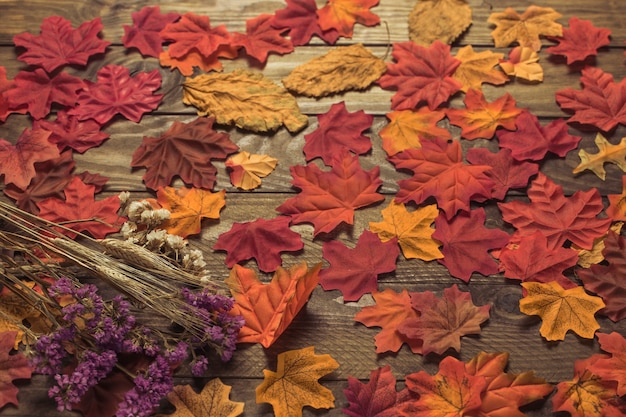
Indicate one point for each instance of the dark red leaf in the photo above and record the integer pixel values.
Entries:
(300, 16)
(69, 132)
(5, 106)
(12, 367)
(144, 33)
(261, 38)
(193, 32)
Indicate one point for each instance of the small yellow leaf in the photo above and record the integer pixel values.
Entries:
(443, 20)
(344, 68)
(247, 99)
(523, 63)
(406, 128)
(586, 258)
(477, 68)
(212, 401)
(608, 152)
(561, 310)
(246, 169)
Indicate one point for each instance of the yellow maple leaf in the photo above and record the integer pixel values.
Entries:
(295, 382)
(407, 127)
(413, 230)
(187, 207)
(586, 258)
(617, 203)
(477, 68)
(246, 169)
(245, 98)
(443, 20)
(523, 63)
(561, 310)
(525, 28)
(212, 401)
(341, 69)
(607, 152)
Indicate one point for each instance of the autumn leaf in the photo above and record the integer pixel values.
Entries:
(246, 169)
(14, 310)
(412, 229)
(607, 281)
(559, 218)
(523, 63)
(144, 32)
(187, 207)
(261, 38)
(355, 271)
(17, 162)
(262, 240)
(420, 74)
(59, 44)
(443, 320)
(329, 198)
(69, 132)
(452, 18)
(193, 32)
(607, 153)
(407, 128)
(581, 40)
(439, 172)
(247, 99)
(185, 64)
(7, 108)
(588, 257)
(341, 15)
(212, 401)
(481, 118)
(617, 204)
(587, 395)
(477, 68)
(612, 368)
(561, 310)
(185, 150)
(338, 129)
(341, 69)
(525, 28)
(300, 17)
(117, 92)
(601, 102)
(268, 309)
(390, 310)
(295, 384)
(12, 367)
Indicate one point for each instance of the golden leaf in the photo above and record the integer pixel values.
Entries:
(406, 128)
(413, 230)
(523, 63)
(344, 68)
(247, 99)
(444, 20)
(525, 28)
(247, 169)
(477, 68)
(14, 309)
(586, 258)
(615, 154)
(212, 401)
(294, 384)
(561, 310)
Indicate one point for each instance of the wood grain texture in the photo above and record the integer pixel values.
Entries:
(326, 322)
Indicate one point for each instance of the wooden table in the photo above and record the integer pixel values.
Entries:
(326, 322)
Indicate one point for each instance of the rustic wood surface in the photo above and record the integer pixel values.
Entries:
(326, 322)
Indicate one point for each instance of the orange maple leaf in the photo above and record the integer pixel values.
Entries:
(269, 308)
(246, 169)
(617, 204)
(14, 311)
(294, 384)
(187, 207)
(523, 63)
(525, 28)
(477, 68)
(406, 128)
(341, 15)
(212, 401)
(194, 58)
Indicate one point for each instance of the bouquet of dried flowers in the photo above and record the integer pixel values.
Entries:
(86, 337)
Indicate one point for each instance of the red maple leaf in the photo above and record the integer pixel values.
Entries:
(59, 44)
(12, 367)
(37, 91)
(580, 41)
(262, 240)
(144, 33)
(505, 172)
(331, 197)
(80, 212)
(5, 107)
(300, 17)
(17, 162)
(420, 74)
(193, 32)
(186, 150)
(355, 271)
(467, 242)
(439, 171)
(601, 102)
(532, 141)
(612, 368)
(558, 217)
(117, 92)
(608, 280)
(341, 15)
(69, 132)
(530, 259)
(377, 398)
(442, 321)
(338, 129)
(261, 38)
